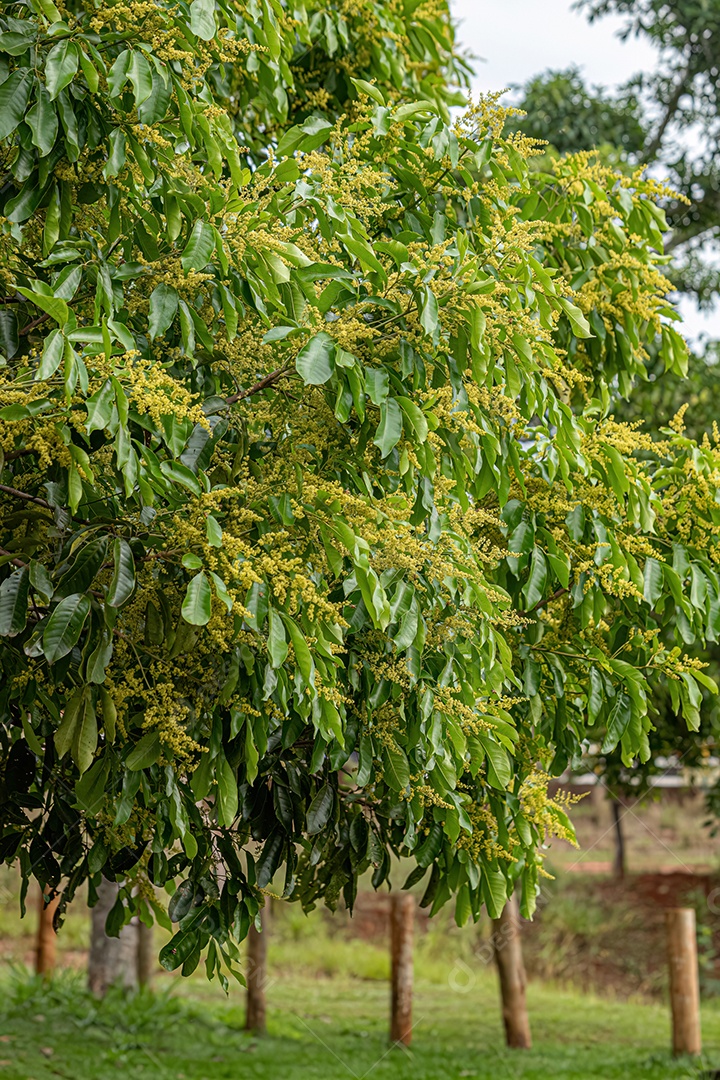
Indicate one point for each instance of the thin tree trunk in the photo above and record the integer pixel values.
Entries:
(45, 947)
(619, 858)
(255, 1019)
(508, 956)
(112, 961)
(402, 916)
(145, 955)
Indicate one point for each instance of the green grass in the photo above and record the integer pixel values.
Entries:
(329, 1029)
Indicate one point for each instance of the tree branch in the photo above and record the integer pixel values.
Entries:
(268, 380)
(24, 495)
(546, 600)
(650, 149)
(13, 560)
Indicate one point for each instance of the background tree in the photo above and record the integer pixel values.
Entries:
(668, 118)
(318, 543)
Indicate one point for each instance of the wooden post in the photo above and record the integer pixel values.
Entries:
(402, 916)
(508, 956)
(145, 954)
(256, 976)
(45, 948)
(684, 981)
(619, 857)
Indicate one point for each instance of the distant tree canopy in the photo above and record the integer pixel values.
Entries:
(670, 119)
(318, 544)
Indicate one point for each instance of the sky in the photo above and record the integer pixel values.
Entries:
(512, 40)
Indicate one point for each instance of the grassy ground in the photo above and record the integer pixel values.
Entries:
(331, 1030)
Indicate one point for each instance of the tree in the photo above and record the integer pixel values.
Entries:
(648, 120)
(318, 544)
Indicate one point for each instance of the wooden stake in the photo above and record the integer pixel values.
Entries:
(619, 857)
(508, 956)
(145, 954)
(402, 916)
(256, 976)
(45, 948)
(684, 981)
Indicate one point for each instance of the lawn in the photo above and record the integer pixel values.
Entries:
(329, 1029)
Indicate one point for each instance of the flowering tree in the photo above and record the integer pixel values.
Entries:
(318, 544)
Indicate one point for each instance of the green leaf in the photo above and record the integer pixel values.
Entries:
(41, 581)
(100, 408)
(430, 847)
(60, 67)
(395, 768)
(181, 901)
(57, 309)
(145, 753)
(90, 791)
(320, 810)
(277, 643)
(163, 306)
(65, 733)
(499, 770)
(85, 736)
(367, 88)
(534, 589)
(202, 19)
(123, 579)
(653, 581)
(78, 577)
(178, 949)
(99, 659)
(227, 792)
(14, 95)
(197, 605)
(390, 427)
(140, 75)
(494, 890)
(64, 626)
(270, 857)
(199, 248)
(618, 722)
(580, 325)
(52, 354)
(316, 361)
(9, 337)
(180, 474)
(14, 603)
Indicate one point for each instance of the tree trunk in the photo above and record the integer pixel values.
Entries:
(45, 948)
(145, 955)
(256, 977)
(619, 858)
(402, 915)
(112, 961)
(508, 956)
(684, 982)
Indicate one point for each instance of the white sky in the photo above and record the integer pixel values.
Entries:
(512, 40)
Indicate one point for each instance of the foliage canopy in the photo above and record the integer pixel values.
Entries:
(319, 546)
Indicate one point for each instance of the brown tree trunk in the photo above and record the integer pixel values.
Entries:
(508, 956)
(684, 982)
(111, 961)
(619, 858)
(145, 955)
(402, 916)
(255, 1019)
(45, 947)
